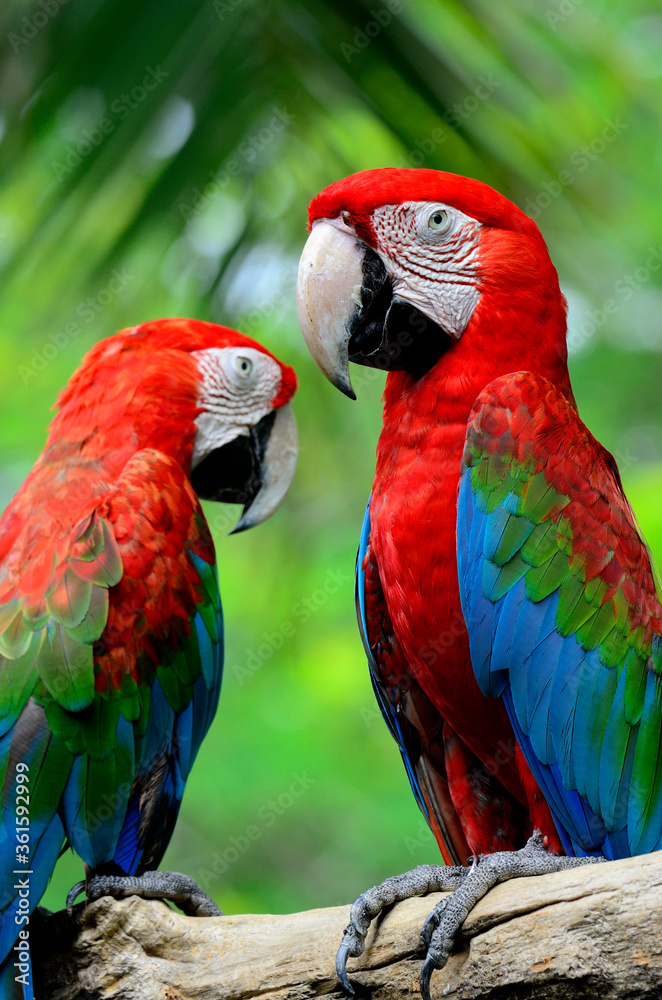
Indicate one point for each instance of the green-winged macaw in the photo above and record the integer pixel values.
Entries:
(508, 603)
(111, 635)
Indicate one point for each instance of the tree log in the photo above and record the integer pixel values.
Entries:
(594, 931)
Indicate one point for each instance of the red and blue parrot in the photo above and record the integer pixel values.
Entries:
(509, 605)
(111, 634)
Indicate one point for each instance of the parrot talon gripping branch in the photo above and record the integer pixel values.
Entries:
(508, 604)
(425, 878)
(111, 631)
(443, 924)
(178, 888)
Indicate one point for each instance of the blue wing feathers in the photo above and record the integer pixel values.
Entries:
(173, 738)
(603, 697)
(539, 694)
(588, 681)
(128, 853)
(206, 647)
(619, 740)
(522, 650)
(587, 730)
(528, 631)
(563, 706)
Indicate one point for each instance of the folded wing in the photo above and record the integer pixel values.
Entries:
(560, 600)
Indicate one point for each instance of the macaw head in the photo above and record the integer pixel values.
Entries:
(211, 398)
(403, 266)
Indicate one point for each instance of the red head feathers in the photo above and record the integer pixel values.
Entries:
(442, 262)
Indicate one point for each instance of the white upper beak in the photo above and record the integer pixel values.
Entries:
(328, 293)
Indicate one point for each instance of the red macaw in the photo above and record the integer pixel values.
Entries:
(508, 603)
(110, 616)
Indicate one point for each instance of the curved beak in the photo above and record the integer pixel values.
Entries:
(348, 311)
(277, 449)
(255, 468)
(328, 294)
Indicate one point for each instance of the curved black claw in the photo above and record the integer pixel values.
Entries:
(73, 895)
(182, 890)
(341, 969)
(353, 941)
(426, 977)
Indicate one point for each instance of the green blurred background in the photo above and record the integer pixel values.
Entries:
(156, 159)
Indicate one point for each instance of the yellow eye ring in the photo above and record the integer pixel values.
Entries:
(438, 219)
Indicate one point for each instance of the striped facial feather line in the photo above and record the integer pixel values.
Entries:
(446, 277)
(238, 388)
(227, 388)
(438, 272)
(398, 232)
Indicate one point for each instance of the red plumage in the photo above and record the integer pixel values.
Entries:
(519, 323)
(120, 445)
(508, 604)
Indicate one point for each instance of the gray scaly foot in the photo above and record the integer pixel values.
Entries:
(447, 918)
(425, 878)
(179, 889)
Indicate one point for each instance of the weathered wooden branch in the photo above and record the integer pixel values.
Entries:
(594, 931)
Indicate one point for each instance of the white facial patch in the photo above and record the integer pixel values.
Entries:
(238, 387)
(430, 251)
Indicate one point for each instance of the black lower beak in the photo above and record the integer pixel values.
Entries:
(255, 469)
(388, 333)
(233, 473)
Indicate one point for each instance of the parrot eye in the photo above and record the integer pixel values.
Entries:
(438, 219)
(244, 366)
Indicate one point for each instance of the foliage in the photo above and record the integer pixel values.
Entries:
(157, 160)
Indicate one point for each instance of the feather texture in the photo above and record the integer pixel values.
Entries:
(111, 631)
(560, 562)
